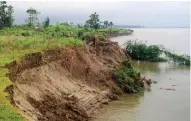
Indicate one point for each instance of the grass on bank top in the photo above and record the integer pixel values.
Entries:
(17, 41)
(20, 40)
(13, 46)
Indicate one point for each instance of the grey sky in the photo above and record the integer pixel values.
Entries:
(150, 14)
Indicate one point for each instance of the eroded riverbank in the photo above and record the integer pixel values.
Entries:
(156, 105)
(68, 83)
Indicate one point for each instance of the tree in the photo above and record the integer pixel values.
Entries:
(46, 22)
(111, 24)
(33, 17)
(10, 18)
(93, 21)
(6, 15)
(106, 24)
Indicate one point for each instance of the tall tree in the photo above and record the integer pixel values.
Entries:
(47, 22)
(10, 18)
(6, 15)
(111, 24)
(33, 17)
(93, 21)
(106, 24)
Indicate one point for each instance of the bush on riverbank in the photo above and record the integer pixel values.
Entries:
(128, 79)
(181, 59)
(140, 51)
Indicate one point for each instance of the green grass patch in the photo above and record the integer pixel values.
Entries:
(7, 111)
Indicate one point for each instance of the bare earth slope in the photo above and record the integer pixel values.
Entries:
(66, 84)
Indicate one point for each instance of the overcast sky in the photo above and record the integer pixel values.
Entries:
(149, 14)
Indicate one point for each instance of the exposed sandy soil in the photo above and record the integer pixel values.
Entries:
(67, 84)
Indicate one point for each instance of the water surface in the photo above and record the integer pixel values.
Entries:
(174, 39)
(158, 104)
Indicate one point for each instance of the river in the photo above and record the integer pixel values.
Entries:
(157, 104)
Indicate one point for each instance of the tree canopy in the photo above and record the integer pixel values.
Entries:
(93, 21)
(33, 17)
(6, 15)
(47, 22)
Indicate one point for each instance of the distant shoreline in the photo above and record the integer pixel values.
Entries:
(155, 27)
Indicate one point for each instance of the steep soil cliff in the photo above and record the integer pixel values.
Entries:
(67, 84)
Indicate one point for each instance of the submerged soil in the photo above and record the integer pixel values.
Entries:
(66, 84)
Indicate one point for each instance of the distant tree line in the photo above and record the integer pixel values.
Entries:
(33, 19)
(7, 19)
(94, 22)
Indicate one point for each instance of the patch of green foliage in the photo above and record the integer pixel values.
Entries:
(181, 59)
(13, 47)
(57, 31)
(128, 79)
(7, 111)
(95, 23)
(140, 51)
(6, 15)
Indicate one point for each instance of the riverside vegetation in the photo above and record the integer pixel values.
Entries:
(18, 40)
(140, 51)
(128, 78)
(15, 42)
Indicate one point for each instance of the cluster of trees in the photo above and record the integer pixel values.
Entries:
(108, 24)
(6, 15)
(33, 19)
(7, 18)
(94, 22)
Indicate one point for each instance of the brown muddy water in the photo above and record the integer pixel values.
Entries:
(157, 104)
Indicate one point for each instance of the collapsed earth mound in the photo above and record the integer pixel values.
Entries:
(67, 84)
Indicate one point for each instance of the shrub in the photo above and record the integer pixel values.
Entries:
(141, 51)
(128, 79)
(181, 59)
(26, 33)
